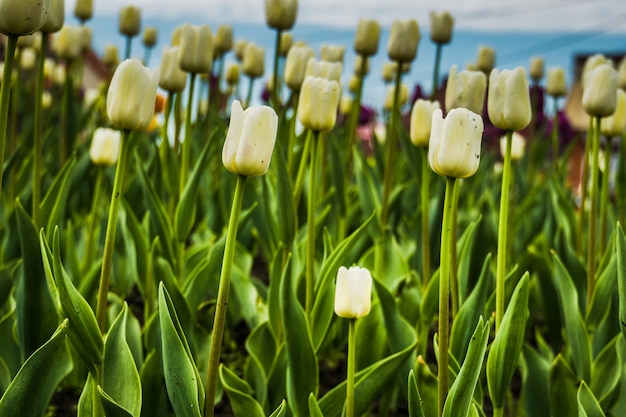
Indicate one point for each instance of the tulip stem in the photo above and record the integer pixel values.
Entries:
(128, 45)
(502, 230)
(4, 97)
(37, 134)
(297, 188)
(555, 135)
(584, 181)
(593, 208)
(604, 195)
(438, 49)
(91, 226)
(444, 292)
(292, 133)
(186, 145)
(498, 411)
(425, 203)
(109, 241)
(454, 283)
(164, 148)
(249, 96)
(222, 298)
(310, 227)
(355, 113)
(351, 368)
(274, 92)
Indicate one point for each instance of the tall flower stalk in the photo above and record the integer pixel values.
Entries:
(37, 133)
(5, 95)
(503, 230)
(310, 226)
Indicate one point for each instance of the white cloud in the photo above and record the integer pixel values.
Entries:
(542, 15)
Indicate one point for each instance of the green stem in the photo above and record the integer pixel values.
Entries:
(292, 133)
(604, 195)
(438, 49)
(4, 97)
(444, 293)
(91, 241)
(555, 135)
(454, 283)
(186, 146)
(275, 93)
(165, 143)
(297, 188)
(351, 368)
(355, 113)
(498, 411)
(310, 227)
(249, 96)
(109, 241)
(424, 202)
(222, 298)
(38, 133)
(502, 231)
(178, 103)
(146, 56)
(584, 181)
(593, 209)
(128, 45)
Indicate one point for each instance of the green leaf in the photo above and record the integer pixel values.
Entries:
(89, 398)
(606, 371)
(587, 404)
(603, 291)
(121, 379)
(507, 346)
(181, 376)
(574, 325)
(415, 401)
(302, 368)
(35, 309)
(186, 209)
(314, 408)
(239, 394)
(111, 408)
(563, 384)
(52, 207)
(154, 393)
(33, 386)
(535, 393)
(460, 396)
(620, 247)
(281, 411)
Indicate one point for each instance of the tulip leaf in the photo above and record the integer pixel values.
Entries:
(469, 313)
(430, 299)
(302, 368)
(31, 390)
(466, 246)
(240, 394)
(535, 393)
(507, 345)
(121, 379)
(34, 303)
(155, 401)
(314, 408)
(89, 398)
(53, 205)
(112, 408)
(562, 386)
(285, 209)
(324, 294)
(460, 396)
(281, 411)
(606, 371)
(588, 405)
(574, 325)
(414, 399)
(186, 209)
(181, 376)
(603, 291)
(620, 247)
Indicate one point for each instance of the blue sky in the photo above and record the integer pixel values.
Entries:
(540, 15)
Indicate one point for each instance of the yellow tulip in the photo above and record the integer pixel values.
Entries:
(55, 18)
(555, 85)
(403, 40)
(353, 293)
(317, 106)
(441, 27)
(367, 37)
(615, 124)
(172, 77)
(508, 103)
(295, 66)
(130, 21)
(253, 64)
(281, 14)
(22, 17)
(421, 121)
(600, 91)
(466, 89)
(536, 68)
(83, 10)
(196, 49)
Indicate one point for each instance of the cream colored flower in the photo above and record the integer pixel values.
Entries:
(150, 36)
(295, 66)
(130, 21)
(332, 53)
(83, 9)
(253, 64)
(196, 49)
(403, 40)
(508, 103)
(22, 17)
(600, 91)
(317, 106)
(323, 69)
(223, 40)
(172, 78)
(466, 89)
(421, 121)
(67, 43)
(555, 85)
(536, 68)
(367, 37)
(281, 14)
(441, 27)
(518, 146)
(55, 17)
(105, 146)
(615, 124)
(353, 293)
(485, 59)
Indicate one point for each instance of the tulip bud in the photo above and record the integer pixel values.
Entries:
(621, 74)
(389, 71)
(536, 68)
(196, 45)
(317, 106)
(485, 59)
(223, 41)
(20, 17)
(150, 37)
(253, 64)
(353, 293)
(83, 10)
(67, 43)
(130, 21)
(508, 103)
(250, 139)
(132, 94)
(518, 146)
(91, 96)
(358, 64)
(105, 146)
(240, 49)
(421, 121)
(48, 68)
(345, 105)
(615, 124)
(323, 69)
(353, 84)
(591, 63)
(85, 39)
(46, 100)
(58, 75)
(286, 42)
(555, 85)
(403, 40)
(55, 18)
(295, 66)
(110, 58)
(29, 41)
(281, 14)
(466, 89)
(367, 37)
(441, 27)
(332, 53)
(28, 59)
(403, 96)
(454, 145)
(600, 91)
(232, 74)
(172, 78)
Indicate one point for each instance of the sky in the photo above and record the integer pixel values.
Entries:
(496, 15)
